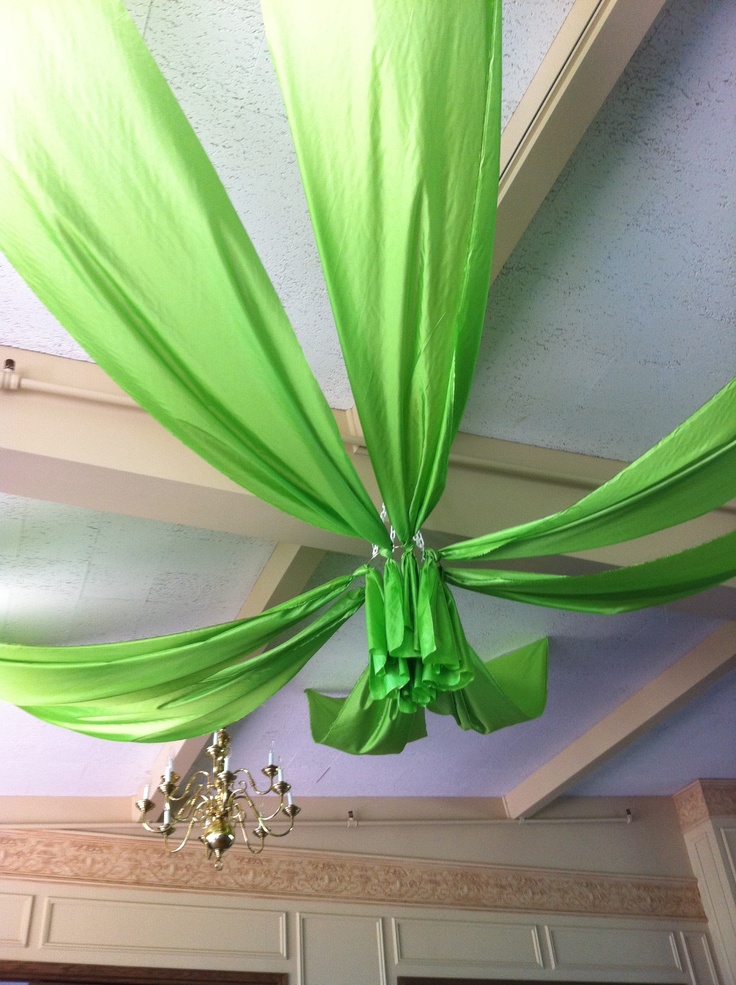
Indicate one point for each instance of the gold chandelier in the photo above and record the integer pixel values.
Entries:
(219, 804)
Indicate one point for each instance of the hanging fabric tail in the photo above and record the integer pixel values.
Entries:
(395, 113)
(416, 643)
(505, 691)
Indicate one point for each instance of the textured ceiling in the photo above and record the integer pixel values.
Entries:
(85, 577)
(611, 322)
(71, 576)
(615, 317)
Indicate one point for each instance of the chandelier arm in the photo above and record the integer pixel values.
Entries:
(187, 793)
(282, 834)
(192, 808)
(257, 791)
(240, 820)
(185, 839)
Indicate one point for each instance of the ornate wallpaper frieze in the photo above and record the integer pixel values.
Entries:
(704, 799)
(307, 875)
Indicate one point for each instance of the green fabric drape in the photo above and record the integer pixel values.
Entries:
(362, 725)
(621, 590)
(114, 216)
(395, 109)
(37, 675)
(416, 643)
(179, 686)
(687, 474)
(505, 691)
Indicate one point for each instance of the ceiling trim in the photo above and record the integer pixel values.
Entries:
(661, 697)
(330, 876)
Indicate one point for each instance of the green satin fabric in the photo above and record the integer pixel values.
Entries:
(505, 691)
(113, 214)
(621, 590)
(416, 643)
(689, 473)
(362, 725)
(180, 704)
(394, 109)
(38, 675)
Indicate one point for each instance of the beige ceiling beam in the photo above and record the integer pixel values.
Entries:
(658, 699)
(62, 441)
(593, 47)
(115, 458)
(285, 574)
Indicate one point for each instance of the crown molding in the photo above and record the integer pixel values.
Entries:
(704, 799)
(289, 874)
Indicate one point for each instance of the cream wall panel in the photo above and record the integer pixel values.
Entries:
(110, 924)
(336, 948)
(574, 948)
(465, 943)
(697, 958)
(15, 918)
(331, 943)
(717, 895)
(728, 836)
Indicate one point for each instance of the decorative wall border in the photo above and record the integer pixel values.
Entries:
(285, 874)
(703, 800)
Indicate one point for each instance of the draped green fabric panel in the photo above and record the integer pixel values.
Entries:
(114, 216)
(394, 109)
(176, 687)
(506, 691)
(361, 725)
(689, 473)
(620, 590)
(37, 675)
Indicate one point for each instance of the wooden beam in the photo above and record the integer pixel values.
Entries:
(658, 699)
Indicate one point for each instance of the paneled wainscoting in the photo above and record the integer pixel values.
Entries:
(328, 919)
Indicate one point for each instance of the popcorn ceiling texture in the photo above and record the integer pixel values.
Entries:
(613, 320)
(80, 576)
